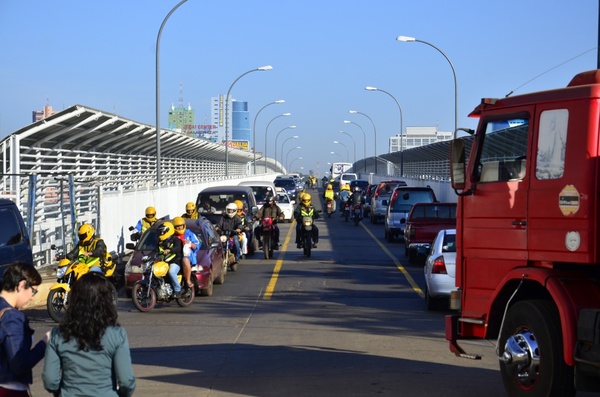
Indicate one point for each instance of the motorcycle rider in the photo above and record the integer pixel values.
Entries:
(246, 227)
(171, 247)
(190, 211)
(91, 247)
(343, 196)
(329, 194)
(356, 198)
(306, 209)
(230, 224)
(273, 211)
(187, 237)
(145, 223)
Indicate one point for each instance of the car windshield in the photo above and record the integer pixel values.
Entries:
(283, 199)
(405, 200)
(218, 201)
(149, 241)
(261, 192)
(285, 183)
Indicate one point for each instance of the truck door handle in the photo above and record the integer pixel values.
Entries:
(519, 223)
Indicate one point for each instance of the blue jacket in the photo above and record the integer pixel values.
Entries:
(17, 358)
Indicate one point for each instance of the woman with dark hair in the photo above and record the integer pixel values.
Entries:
(16, 336)
(88, 353)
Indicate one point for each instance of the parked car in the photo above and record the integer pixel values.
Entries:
(381, 198)
(210, 268)
(400, 205)
(423, 223)
(14, 240)
(289, 184)
(286, 204)
(261, 190)
(439, 270)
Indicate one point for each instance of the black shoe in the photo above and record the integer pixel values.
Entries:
(314, 245)
(178, 294)
(298, 245)
(276, 247)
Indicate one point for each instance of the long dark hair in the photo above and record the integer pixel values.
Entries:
(91, 310)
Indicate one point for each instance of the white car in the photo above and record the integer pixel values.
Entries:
(286, 205)
(439, 269)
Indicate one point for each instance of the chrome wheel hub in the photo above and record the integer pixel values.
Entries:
(521, 357)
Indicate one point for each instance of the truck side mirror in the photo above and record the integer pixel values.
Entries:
(457, 164)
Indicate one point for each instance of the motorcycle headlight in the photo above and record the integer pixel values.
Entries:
(60, 272)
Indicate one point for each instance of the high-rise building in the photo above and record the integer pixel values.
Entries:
(418, 136)
(182, 119)
(38, 115)
(239, 121)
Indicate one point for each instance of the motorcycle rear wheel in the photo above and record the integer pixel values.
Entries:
(55, 304)
(307, 245)
(143, 297)
(187, 298)
(267, 246)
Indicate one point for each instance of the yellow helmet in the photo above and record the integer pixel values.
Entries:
(86, 231)
(190, 207)
(301, 195)
(346, 187)
(150, 213)
(178, 222)
(306, 199)
(239, 204)
(165, 231)
(329, 186)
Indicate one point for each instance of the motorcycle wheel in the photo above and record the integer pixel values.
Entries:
(267, 246)
(232, 264)
(143, 297)
(55, 304)
(307, 245)
(356, 220)
(187, 298)
(346, 217)
(115, 294)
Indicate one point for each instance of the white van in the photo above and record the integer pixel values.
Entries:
(346, 177)
(261, 189)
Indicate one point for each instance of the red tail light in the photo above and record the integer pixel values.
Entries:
(439, 266)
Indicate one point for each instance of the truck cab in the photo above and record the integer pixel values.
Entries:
(527, 261)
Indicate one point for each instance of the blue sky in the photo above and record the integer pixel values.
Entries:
(323, 53)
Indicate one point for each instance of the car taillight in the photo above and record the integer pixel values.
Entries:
(439, 266)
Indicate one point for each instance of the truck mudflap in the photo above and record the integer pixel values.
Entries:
(586, 354)
(452, 336)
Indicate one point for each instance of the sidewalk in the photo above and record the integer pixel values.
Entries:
(48, 274)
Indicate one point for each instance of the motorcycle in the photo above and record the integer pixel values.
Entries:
(306, 241)
(357, 214)
(67, 273)
(329, 207)
(228, 251)
(268, 236)
(346, 210)
(155, 286)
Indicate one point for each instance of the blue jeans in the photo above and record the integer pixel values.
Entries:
(173, 270)
(237, 250)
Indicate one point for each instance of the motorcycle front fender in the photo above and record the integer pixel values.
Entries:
(63, 286)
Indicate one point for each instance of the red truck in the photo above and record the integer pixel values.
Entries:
(423, 223)
(527, 234)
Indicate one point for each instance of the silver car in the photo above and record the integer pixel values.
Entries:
(440, 270)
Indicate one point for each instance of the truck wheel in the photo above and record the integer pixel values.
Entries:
(531, 346)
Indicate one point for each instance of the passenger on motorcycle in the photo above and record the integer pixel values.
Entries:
(344, 195)
(246, 226)
(329, 194)
(187, 237)
(190, 211)
(149, 220)
(91, 247)
(231, 225)
(306, 209)
(171, 247)
(273, 211)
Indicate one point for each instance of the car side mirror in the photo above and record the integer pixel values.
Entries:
(130, 246)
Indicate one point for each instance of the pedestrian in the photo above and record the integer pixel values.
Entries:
(88, 353)
(17, 357)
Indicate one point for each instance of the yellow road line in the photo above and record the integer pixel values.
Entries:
(409, 278)
(278, 265)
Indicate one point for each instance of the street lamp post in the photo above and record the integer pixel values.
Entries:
(374, 132)
(401, 138)
(267, 133)
(254, 128)
(288, 153)
(364, 141)
(337, 154)
(277, 136)
(157, 108)
(353, 142)
(345, 147)
(297, 158)
(411, 39)
(283, 144)
(262, 68)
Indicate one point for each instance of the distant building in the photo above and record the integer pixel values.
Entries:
(418, 136)
(182, 119)
(38, 115)
(238, 121)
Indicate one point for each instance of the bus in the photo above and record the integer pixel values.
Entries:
(338, 169)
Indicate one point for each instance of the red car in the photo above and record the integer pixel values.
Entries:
(210, 268)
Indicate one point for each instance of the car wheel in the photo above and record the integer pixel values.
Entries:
(221, 277)
(208, 291)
